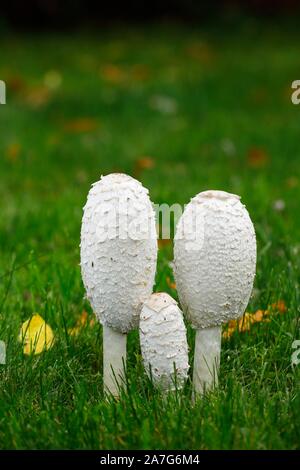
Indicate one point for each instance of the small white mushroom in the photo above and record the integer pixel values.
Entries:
(118, 263)
(214, 263)
(163, 341)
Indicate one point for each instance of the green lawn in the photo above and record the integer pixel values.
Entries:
(210, 109)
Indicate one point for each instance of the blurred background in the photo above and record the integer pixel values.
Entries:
(183, 95)
(39, 14)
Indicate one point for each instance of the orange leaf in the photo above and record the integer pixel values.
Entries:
(257, 158)
(245, 323)
(164, 242)
(113, 73)
(37, 96)
(81, 323)
(13, 151)
(143, 163)
(279, 306)
(85, 124)
(170, 283)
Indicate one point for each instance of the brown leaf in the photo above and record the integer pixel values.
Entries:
(170, 283)
(37, 97)
(279, 306)
(113, 73)
(140, 72)
(82, 322)
(15, 83)
(292, 182)
(164, 242)
(80, 125)
(201, 52)
(143, 163)
(257, 157)
(13, 152)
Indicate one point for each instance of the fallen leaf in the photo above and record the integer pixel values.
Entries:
(143, 163)
(15, 84)
(85, 124)
(292, 182)
(201, 52)
(38, 96)
(257, 157)
(113, 73)
(248, 319)
(164, 242)
(279, 306)
(36, 336)
(13, 151)
(140, 72)
(170, 283)
(81, 323)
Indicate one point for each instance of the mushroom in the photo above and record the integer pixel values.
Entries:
(163, 342)
(214, 266)
(118, 263)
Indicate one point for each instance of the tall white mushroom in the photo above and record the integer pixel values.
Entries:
(163, 341)
(118, 263)
(214, 264)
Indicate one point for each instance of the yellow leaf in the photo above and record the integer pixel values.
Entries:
(36, 335)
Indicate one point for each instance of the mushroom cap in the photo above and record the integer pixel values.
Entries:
(163, 341)
(214, 258)
(118, 250)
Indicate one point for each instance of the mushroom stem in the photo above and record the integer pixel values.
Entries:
(114, 360)
(206, 359)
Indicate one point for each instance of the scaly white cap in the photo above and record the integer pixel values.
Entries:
(118, 250)
(163, 341)
(214, 258)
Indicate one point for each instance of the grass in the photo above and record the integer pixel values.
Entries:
(212, 109)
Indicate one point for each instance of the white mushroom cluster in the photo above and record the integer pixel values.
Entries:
(163, 341)
(214, 267)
